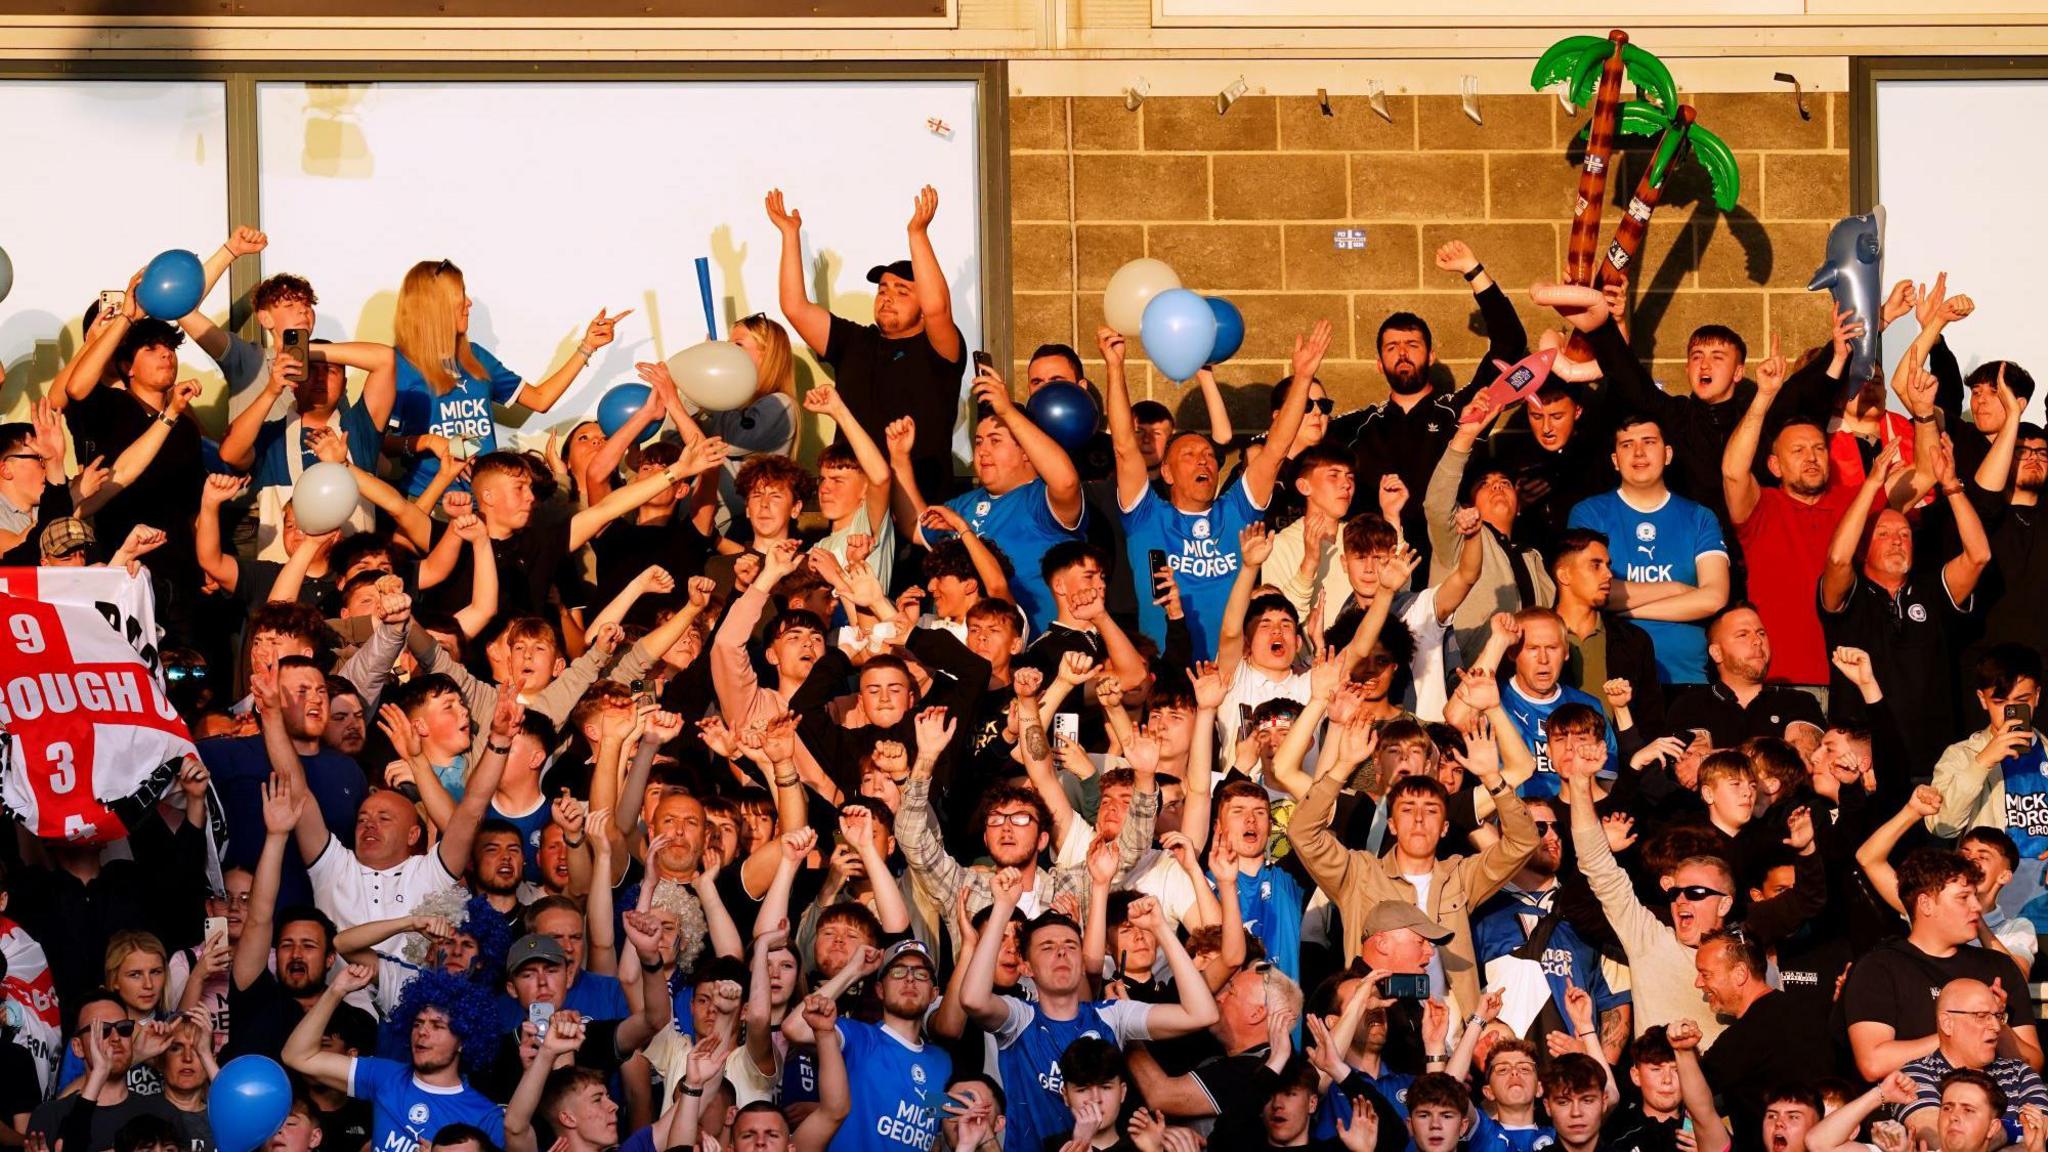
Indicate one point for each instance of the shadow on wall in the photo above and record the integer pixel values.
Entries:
(1686, 191)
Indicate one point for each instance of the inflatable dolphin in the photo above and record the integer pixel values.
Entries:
(1854, 274)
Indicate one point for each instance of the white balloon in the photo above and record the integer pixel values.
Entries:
(716, 376)
(1131, 288)
(324, 498)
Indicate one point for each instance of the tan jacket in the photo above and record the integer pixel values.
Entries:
(1355, 880)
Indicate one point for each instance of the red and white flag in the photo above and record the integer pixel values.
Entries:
(91, 740)
(30, 996)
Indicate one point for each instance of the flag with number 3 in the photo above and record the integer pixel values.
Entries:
(91, 740)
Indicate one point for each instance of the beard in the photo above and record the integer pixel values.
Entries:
(1408, 378)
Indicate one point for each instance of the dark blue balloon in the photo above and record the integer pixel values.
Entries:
(1065, 412)
(248, 1103)
(172, 284)
(1229, 329)
(619, 405)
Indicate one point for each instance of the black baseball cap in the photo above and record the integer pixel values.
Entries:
(901, 269)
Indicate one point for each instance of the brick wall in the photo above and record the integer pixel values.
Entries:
(1244, 205)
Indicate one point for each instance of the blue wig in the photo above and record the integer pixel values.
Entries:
(471, 1010)
(493, 940)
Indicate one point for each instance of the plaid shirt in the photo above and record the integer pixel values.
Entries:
(940, 877)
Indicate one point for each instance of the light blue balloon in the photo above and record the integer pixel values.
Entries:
(172, 285)
(248, 1103)
(1179, 332)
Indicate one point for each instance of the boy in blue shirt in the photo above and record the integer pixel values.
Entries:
(1670, 559)
(1194, 525)
(898, 1098)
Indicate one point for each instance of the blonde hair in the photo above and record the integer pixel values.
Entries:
(127, 942)
(778, 363)
(425, 325)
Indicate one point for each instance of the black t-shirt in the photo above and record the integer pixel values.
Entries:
(624, 550)
(48, 1119)
(600, 1052)
(264, 1016)
(1627, 1129)
(1896, 984)
(882, 380)
(347, 1128)
(257, 577)
(530, 561)
(165, 495)
(19, 1088)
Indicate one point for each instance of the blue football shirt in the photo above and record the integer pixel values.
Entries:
(1653, 546)
(464, 411)
(1021, 524)
(1201, 550)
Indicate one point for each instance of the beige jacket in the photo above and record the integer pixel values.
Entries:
(1355, 880)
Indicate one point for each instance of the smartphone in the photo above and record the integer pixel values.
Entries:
(984, 363)
(1156, 561)
(215, 926)
(1244, 720)
(1066, 727)
(291, 345)
(1406, 986)
(2024, 713)
(112, 301)
(643, 693)
(538, 1015)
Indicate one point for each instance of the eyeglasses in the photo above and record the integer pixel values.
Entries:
(2040, 452)
(909, 973)
(1694, 892)
(444, 266)
(1017, 819)
(1545, 827)
(1988, 1016)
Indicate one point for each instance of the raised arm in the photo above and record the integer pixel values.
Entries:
(934, 298)
(1221, 434)
(1132, 477)
(238, 447)
(1254, 545)
(1708, 1129)
(1962, 572)
(476, 615)
(1196, 1008)
(225, 569)
(811, 321)
(302, 1052)
(136, 458)
(77, 379)
(1874, 856)
(542, 396)
(1055, 467)
(1838, 573)
(1996, 469)
(978, 989)
(1738, 459)
(824, 400)
(1261, 472)
(1837, 1131)
(600, 473)
(835, 1089)
(481, 785)
(243, 241)
(283, 804)
(699, 457)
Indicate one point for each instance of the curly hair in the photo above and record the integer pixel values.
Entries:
(779, 471)
(472, 1013)
(679, 901)
(472, 916)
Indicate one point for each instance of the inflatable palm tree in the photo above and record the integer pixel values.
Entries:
(1593, 67)
(1677, 135)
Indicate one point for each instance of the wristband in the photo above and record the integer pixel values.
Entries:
(1474, 273)
(577, 843)
(1956, 490)
(1927, 419)
(500, 749)
(1475, 1020)
(689, 1091)
(1434, 1059)
(167, 418)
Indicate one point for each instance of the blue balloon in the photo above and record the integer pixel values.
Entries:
(1179, 333)
(1065, 412)
(619, 405)
(1229, 329)
(172, 284)
(248, 1103)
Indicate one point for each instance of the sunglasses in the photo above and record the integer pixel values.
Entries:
(1693, 892)
(117, 1028)
(1324, 405)
(1545, 827)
